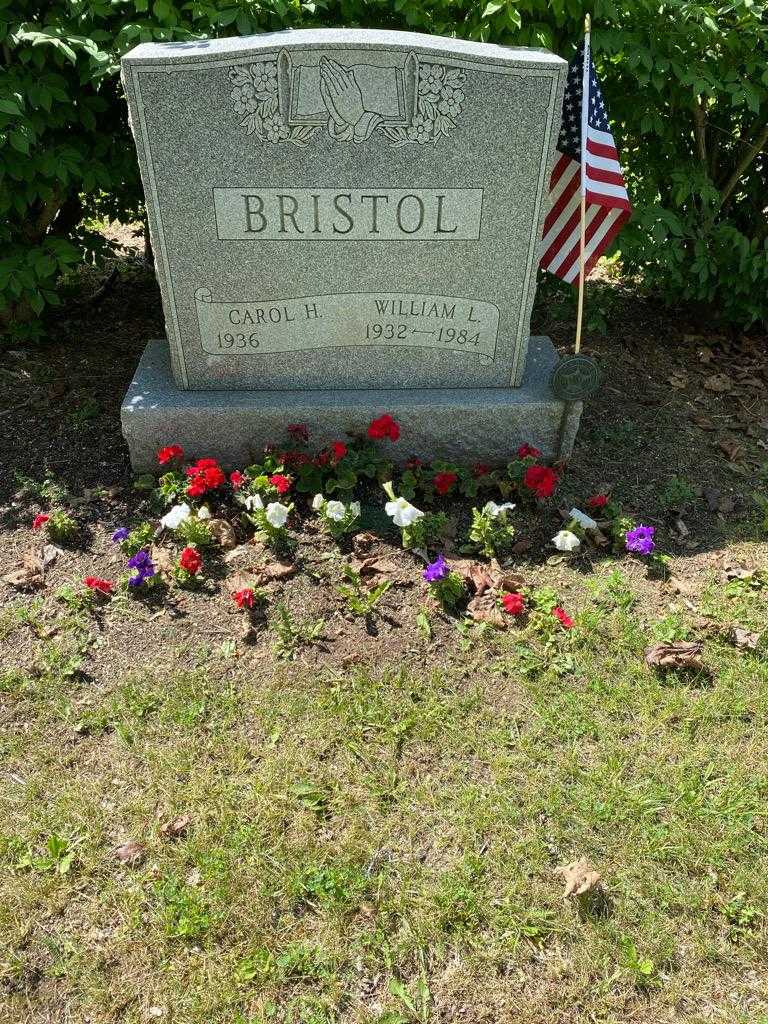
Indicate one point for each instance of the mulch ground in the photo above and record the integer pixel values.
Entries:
(678, 433)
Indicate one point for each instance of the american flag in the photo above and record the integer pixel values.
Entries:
(593, 168)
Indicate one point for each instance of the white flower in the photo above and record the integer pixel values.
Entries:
(402, 512)
(173, 519)
(583, 519)
(317, 501)
(354, 508)
(494, 510)
(277, 513)
(253, 501)
(203, 512)
(336, 510)
(566, 541)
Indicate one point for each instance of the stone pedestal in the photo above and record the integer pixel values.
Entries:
(462, 424)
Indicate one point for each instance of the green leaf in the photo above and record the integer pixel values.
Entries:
(493, 8)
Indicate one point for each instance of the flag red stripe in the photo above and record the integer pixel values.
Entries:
(613, 202)
(567, 263)
(557, 171)
(562, 237)
(609, 152)
(605, 242)
(598, 174)
(562, 201)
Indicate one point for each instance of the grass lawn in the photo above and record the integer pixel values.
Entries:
(362, 822)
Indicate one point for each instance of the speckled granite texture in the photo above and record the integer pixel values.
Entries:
(333, 208)
(469, 425)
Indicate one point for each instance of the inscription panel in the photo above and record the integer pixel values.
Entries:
(373, 214)
(371, 320)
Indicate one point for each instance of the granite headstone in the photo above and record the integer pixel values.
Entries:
(340, 211)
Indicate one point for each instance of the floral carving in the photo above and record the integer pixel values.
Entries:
(254, 96)
(260, 96)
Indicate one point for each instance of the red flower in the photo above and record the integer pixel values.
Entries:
(282, 483)
(323, 459)
(480, 469)
(443, 482)
(39, 521)
(191, 561)
(598, 501)
(197, 488)
(169, 453)
(236, 478)
(339, 450)
(514, 604)
(205, 475)
(383, 427)
(243, 598)
(294, 458)
(99, 585)
(563, 617)
(527, 451)
(541, 480)
(413, 463)
(299, 432)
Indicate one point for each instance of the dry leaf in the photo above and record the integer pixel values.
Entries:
(164, 559)
(131, 853)
(682, 654)
(678, 380)
(238, 552)
(579, 876)
(176, 828)
(483, 608)
(703, 422)
(277, 570)
(363, 542)
(223, 533)
(732, 449)
(24, 577)
(719, 382)
(49, 555)
(744, 638)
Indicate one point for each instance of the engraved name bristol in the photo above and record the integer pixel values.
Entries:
(407, 101)
(371, 214)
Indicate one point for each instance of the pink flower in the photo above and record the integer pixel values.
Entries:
(236, 478)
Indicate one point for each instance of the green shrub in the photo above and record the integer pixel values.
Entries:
(685, 84)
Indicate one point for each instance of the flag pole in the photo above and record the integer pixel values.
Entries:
(583, 217)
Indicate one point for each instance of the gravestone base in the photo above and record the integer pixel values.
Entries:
(465, 425)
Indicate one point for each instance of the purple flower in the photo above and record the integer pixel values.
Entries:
(144, 566)
(141, 561)
(436, 570)
(640, 540)
(120, 534)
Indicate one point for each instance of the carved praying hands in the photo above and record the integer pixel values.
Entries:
(341, 93)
